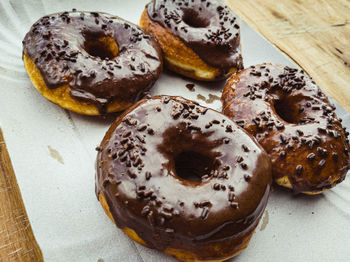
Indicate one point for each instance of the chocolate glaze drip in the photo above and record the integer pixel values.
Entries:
(208, 27)
(144, 168)
(58, 45)
(295, 123)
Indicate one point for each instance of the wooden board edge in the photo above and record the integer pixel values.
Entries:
(17, 241)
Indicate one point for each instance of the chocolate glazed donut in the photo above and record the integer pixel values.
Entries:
(82, 60)
(295, 123)
(183, 179)
(199, 39)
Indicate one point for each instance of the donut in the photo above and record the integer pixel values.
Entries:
(199, 39)
(91, 63)
(295, 123)
(184, 179)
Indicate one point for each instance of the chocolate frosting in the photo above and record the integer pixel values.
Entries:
(208, 27)
(144, 166)
(57, 44)
(295, 123)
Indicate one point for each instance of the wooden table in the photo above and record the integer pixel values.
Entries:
(313, 33)
(17, 242)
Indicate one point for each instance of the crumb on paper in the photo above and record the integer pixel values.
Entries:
(55, 155)
(213, 98)
(190, 87)
(201, 97)
(265, 221)
(210, 100)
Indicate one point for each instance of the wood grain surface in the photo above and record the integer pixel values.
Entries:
(17, 242)
(313, 33)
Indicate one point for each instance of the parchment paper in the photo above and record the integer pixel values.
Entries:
(53, 153)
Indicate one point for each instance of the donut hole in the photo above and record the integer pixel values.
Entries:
(101, 46)
(194, 19)
(192, 166)
(287, 110)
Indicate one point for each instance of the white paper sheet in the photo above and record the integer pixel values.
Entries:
(53, 153)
